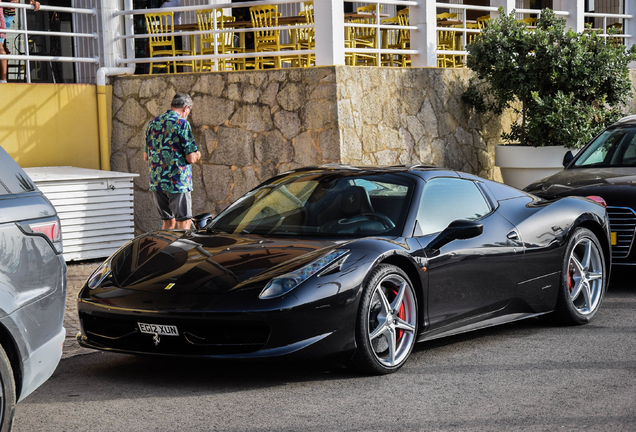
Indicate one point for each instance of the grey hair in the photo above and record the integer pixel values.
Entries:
(181, 100)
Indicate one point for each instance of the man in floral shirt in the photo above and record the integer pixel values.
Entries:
(170, 150)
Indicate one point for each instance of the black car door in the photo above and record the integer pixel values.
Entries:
(470, 277)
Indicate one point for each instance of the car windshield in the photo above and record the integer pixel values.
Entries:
(615, 147)
(319, 204)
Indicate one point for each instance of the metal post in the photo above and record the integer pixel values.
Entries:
(216, 41)
(129, 26)
(576, 19)
(630, 27)
(110, 32)
(329, 32)
(26, 45)
(378, 32)
(424, 39)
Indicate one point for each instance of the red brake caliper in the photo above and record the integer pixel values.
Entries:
(401, 314)
(570, 278)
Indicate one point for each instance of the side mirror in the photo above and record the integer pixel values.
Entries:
(567, 158)
(460, 229)
(201, 220)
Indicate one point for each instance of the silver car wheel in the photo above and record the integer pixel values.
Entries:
(585, 276)
(392, 320)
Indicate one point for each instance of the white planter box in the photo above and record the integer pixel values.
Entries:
(522, 165)
(95, 208)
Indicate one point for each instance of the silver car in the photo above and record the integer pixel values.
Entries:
(32, 288)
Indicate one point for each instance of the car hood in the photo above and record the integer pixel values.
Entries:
(615, 185)
(198, 262)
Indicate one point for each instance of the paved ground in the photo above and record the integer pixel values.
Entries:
(524, 376)
(78, 272)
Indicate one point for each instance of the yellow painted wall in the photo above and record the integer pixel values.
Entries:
(51, 124)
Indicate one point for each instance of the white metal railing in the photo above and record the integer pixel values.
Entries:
(463, 29)
(27, 56)
(117, 35)
(129, 11)
(378, 26)
(575, 19)
(492, 10)
(625, 17)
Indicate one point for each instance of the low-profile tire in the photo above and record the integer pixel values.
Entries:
(583, 280)
(7, 395)
(386, 324)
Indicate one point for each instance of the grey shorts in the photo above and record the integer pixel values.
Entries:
(176, 206)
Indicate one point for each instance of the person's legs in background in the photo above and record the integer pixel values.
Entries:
(3, 62)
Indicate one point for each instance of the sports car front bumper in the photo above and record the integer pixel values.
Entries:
(320, 328)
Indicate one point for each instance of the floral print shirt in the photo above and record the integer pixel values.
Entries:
(168, 140)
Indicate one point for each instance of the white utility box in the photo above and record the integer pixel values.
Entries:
(95, 208)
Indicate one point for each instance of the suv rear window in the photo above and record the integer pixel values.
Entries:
(12, 177)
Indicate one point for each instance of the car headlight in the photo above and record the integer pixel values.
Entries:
(98, 276)
(287, 282)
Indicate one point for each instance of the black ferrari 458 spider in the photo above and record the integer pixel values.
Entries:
(355, 262)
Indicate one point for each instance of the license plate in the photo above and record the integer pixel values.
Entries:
(613, 238)
(162, 330)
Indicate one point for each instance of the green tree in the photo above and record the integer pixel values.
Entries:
(569, 86)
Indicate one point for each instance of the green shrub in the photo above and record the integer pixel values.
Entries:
(569, 85)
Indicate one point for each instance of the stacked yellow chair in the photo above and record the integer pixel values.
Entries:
(616, 41)
(224, 41)
(470, 37)
(446, 16)
(528, 21)
(365, 37)
(405, 35)
(446, 42)
(163, 46)
(269, 40)
(483, 21)
(391, 40)
(306, 37)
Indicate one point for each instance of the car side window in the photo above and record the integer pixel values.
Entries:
(626, 153)
(599, 155)
(445, 200)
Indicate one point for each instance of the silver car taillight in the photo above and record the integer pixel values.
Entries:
(48, 228)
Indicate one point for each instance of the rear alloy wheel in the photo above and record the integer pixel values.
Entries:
(583, 279)
(386, 323)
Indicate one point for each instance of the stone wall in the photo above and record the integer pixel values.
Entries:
(249, 126)
(255, 124)
(391, 116)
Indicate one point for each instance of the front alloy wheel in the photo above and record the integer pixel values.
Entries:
(387, 321)
(585, 276)
(583, 279)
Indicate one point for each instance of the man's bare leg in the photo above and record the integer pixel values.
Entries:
(3, 65)
(168, 224)
(183, 224)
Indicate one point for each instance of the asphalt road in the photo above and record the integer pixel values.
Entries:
(522, 376)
